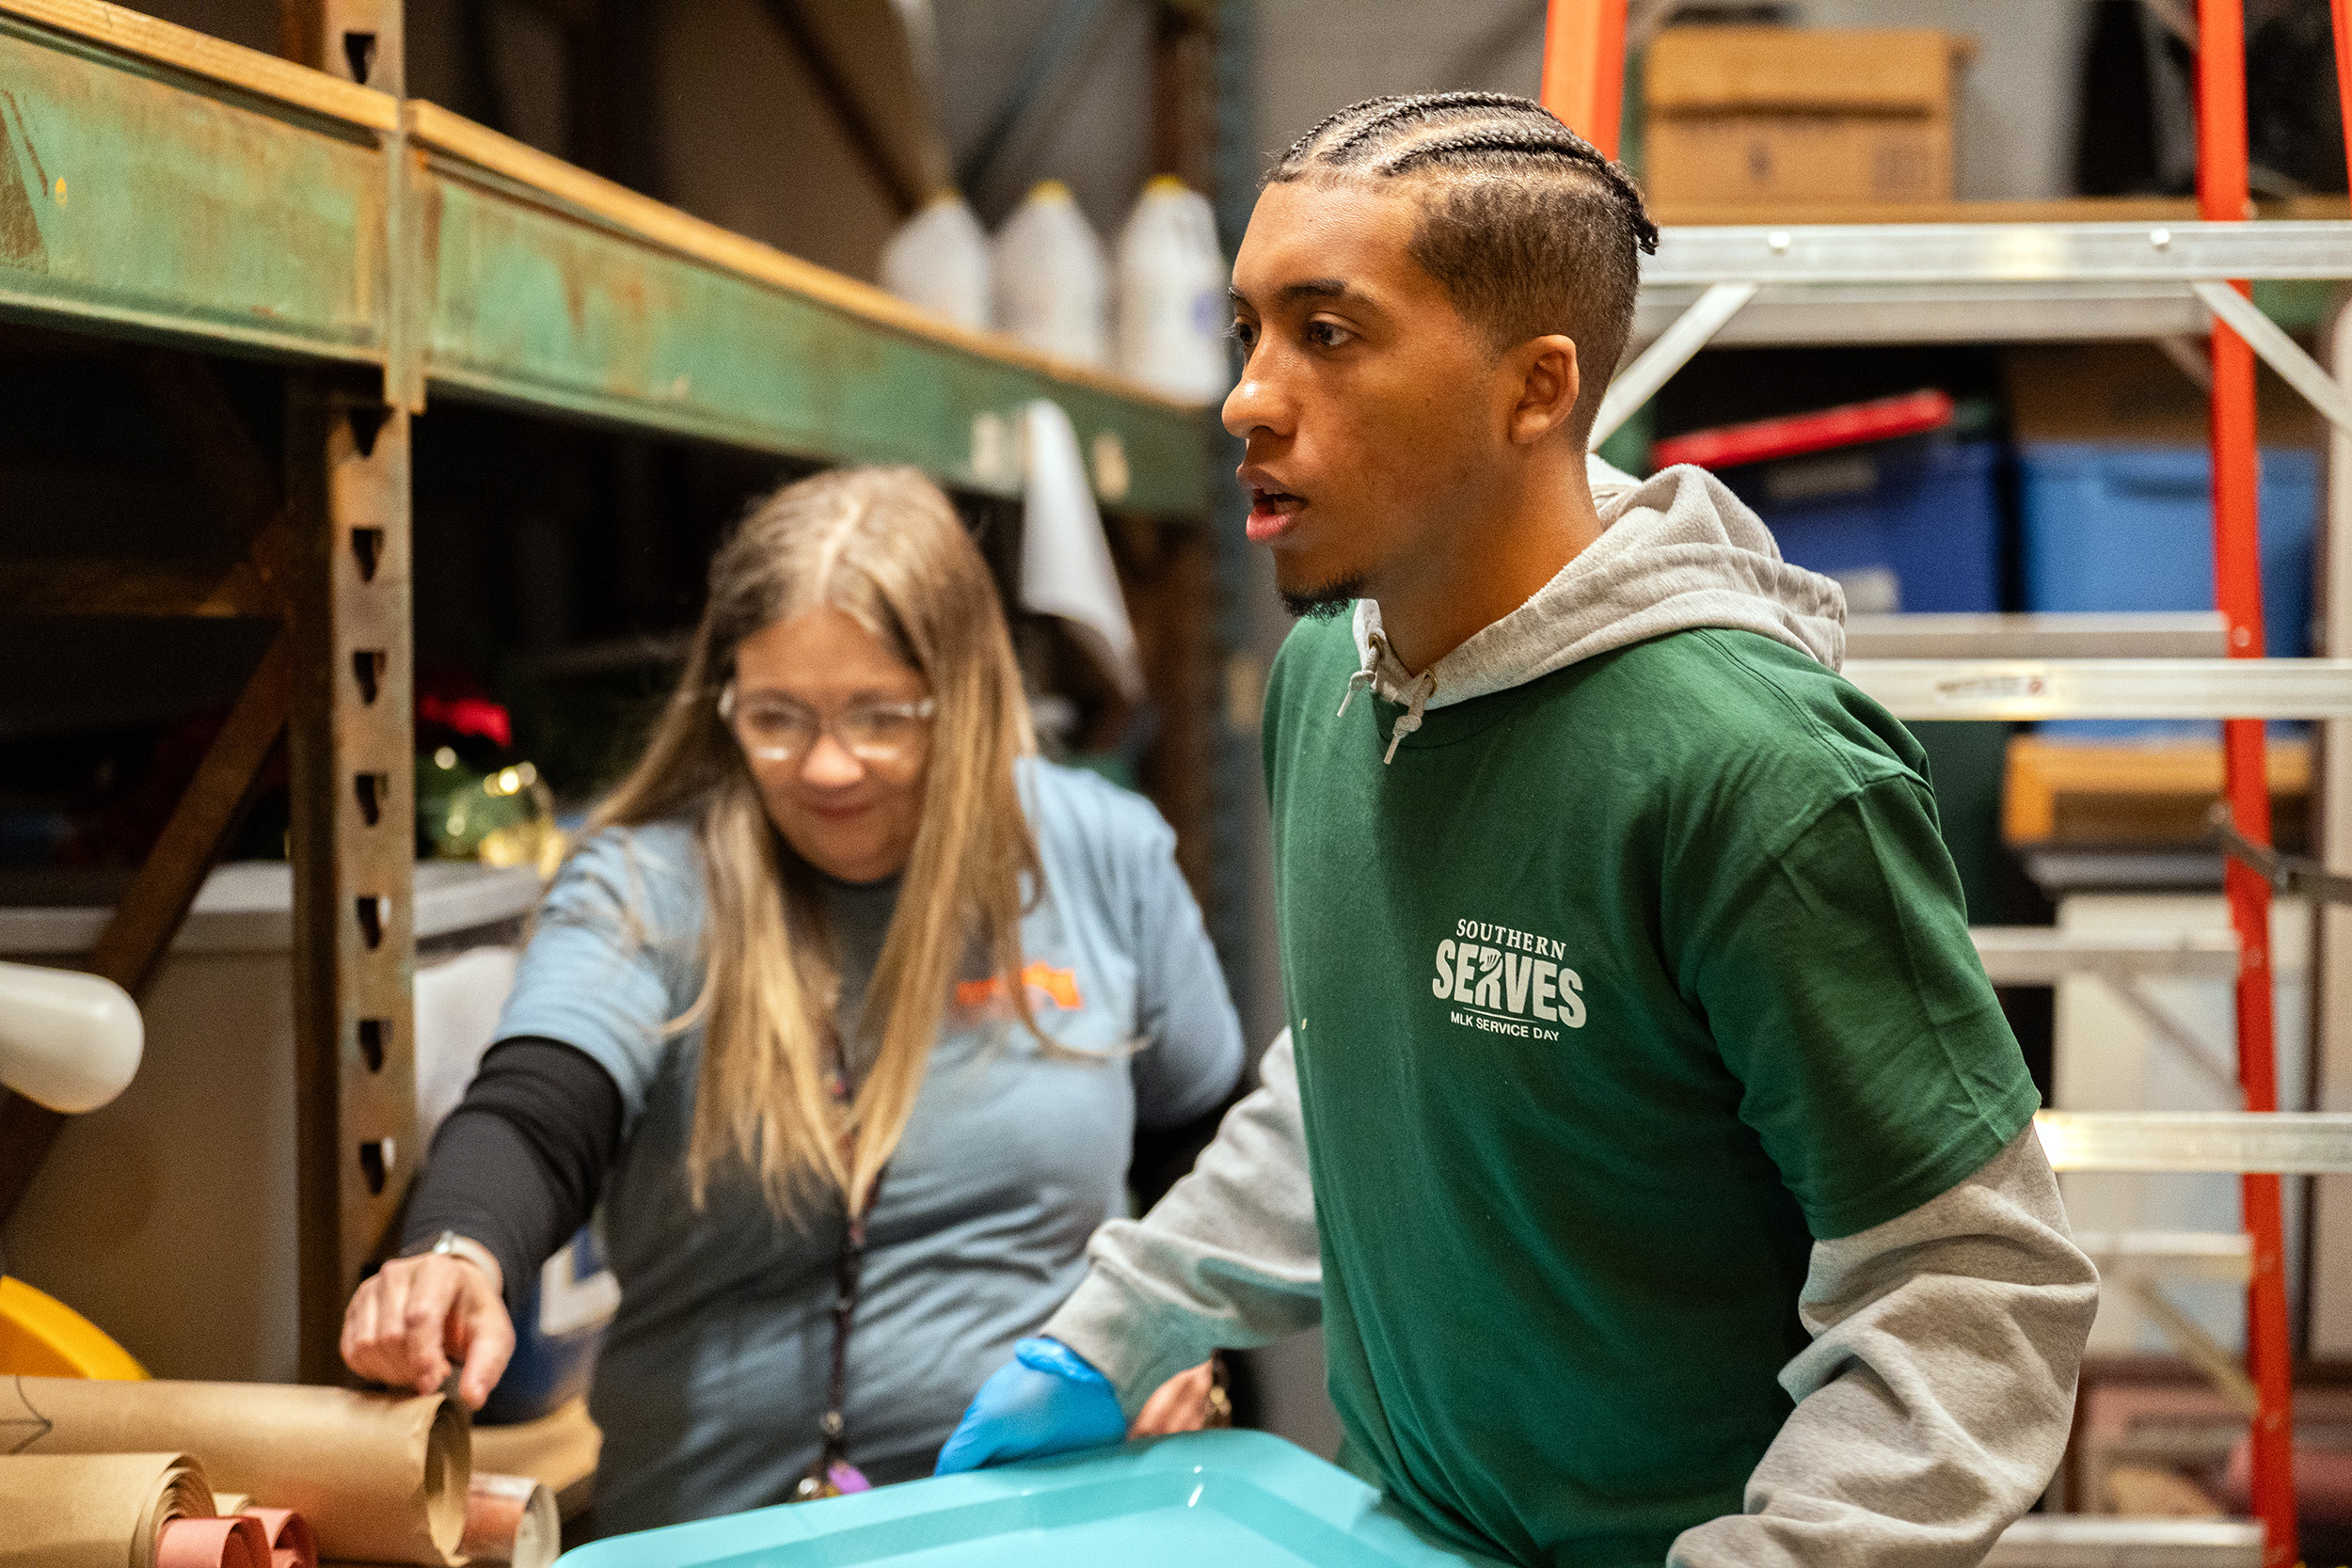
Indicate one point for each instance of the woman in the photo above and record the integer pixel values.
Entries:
(838, 946)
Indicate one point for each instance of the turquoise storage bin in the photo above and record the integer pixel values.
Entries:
(1234, 1499)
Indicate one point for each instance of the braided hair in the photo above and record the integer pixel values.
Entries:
(1527, 227)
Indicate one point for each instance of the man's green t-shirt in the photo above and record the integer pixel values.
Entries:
(1610, 995)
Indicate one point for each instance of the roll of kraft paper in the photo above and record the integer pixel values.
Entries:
(379, 1479)
(236, 1543)
(512, 1519)
(93, 1511)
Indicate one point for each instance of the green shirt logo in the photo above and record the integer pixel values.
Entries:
(1516, 988)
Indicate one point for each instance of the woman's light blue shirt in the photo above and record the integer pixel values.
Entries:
(713, 1376)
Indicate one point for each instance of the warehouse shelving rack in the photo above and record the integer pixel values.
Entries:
(1915, 282)
(164, 188)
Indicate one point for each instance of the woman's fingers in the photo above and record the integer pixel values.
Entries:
(424, 1323)
(409, 1320)
(484, 1336)
(396, 1326)
(374, 1336)
(360, 1328)
(1180, 1404)
(377, 1343)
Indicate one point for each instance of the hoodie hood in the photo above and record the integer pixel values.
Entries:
(1678, 551)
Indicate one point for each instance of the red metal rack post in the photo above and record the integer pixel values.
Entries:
(1585, 68)
(2342, 10)
(2222, 197)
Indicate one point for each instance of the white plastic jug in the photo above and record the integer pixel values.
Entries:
(1052, 280)
(1172, 310)
(939, 259)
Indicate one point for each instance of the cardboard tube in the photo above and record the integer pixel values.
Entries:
(236, 1543)
(291, 1544)
(512, 1519)
(94, 1510)
(379, 1479)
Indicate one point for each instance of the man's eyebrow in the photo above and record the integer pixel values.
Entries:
(1307, 288)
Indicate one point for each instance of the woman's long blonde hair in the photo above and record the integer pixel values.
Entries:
(883, 547)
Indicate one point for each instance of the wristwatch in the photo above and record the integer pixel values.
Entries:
(455, 1246)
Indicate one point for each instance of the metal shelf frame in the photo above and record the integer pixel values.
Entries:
(2190, 634)
(161, 186)
(2017, 690)
(1958, 282)
(174, 188)
(2278, 1143)
(2044, 954)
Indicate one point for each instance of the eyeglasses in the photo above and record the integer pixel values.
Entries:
(775, 729)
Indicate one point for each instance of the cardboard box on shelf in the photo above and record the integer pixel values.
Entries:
(2061, 791)
(2135, 394)
(1800, 117)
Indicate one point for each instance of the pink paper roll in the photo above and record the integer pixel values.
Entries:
(237, 1543)
(291, 1541)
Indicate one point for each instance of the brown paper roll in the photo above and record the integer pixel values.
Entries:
(380, 1478)
(94, 1510)
(512, 1519)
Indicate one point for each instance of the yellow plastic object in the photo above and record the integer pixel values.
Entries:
(42, 1337)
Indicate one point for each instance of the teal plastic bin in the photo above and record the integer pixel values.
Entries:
(1236, 1499)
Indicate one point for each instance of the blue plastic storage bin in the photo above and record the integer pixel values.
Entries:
(1238, 1499)
(2115, 528)
(1926, 511)
(2130, 528)
(566, 1311)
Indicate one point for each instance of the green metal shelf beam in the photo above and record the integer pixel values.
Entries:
(158, 184)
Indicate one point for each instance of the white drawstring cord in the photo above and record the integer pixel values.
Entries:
(1416, 695)
(1424, 686)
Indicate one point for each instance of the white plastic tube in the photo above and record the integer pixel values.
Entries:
(68, 1040)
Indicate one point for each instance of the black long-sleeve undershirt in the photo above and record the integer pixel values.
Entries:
(519, 1165)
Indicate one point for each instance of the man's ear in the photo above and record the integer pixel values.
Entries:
(1550, 379)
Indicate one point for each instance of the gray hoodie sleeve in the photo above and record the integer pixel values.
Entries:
(1933, 1404)
(1226, 1260)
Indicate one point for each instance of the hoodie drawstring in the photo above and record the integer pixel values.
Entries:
(1417, 697)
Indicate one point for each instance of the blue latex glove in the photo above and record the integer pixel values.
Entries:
(1046, 1399)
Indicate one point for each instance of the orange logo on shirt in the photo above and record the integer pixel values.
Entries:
(1060, 987)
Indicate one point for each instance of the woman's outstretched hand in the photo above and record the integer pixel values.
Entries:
(417, 1316)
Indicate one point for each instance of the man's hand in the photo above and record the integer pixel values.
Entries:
(1180, 1404)
(416, 1315)
(1046, 1400)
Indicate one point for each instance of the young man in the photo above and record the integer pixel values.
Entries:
(1646, 1138)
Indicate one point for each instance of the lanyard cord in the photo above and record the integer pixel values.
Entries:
(832, 1453)
(846, 1269)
